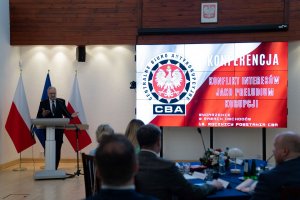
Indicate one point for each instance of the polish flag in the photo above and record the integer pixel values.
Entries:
(18, 121)
(75, 105)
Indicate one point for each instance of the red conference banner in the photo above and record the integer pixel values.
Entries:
(231, 88)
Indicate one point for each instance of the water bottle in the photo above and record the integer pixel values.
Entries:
(246, 169)
(253, 169)
(222, 169)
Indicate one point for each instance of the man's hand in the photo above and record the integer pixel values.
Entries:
(45, 112)
(75, 114)
(216, 184)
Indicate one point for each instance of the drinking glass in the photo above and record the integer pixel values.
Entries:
(186, 167)
(209, 174)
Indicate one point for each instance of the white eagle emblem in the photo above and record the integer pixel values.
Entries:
(168, 82)
(209, 11)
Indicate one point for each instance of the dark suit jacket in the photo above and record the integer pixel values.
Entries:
(60, 111)
(270, 182)
(112, 194)
(161, 178)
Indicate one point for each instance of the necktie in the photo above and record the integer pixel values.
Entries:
(53, 107)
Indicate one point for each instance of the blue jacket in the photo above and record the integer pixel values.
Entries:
(161, 178)
(270, 182)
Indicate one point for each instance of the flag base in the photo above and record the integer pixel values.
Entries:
(50, 174)
(20, 169)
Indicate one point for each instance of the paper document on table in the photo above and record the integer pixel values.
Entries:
(224, 183)
(199, 175)
(247, 185)
(187, 176)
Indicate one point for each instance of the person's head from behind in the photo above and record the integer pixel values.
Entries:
(103, 130)
(116, 160)
(149, 137)
(286, 146)
(131, 130)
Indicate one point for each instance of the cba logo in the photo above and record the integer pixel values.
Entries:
(169, 78)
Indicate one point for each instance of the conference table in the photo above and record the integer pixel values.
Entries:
(229, 193)
(234, 180)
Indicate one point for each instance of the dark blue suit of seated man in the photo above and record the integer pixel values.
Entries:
(160, 177)
(287, 171)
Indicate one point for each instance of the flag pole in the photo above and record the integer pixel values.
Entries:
(79, 165)
(20, 168)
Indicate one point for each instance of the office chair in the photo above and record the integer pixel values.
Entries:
(91, 181)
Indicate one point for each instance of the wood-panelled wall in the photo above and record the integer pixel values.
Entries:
(73, 22)
(87, 22)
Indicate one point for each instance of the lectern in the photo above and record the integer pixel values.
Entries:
(50, 147)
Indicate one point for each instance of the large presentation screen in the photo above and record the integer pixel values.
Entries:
(213, 85)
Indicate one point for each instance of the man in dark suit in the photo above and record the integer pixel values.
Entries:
(160, 177)
(117, 164)
(55, 108)
(287, 171)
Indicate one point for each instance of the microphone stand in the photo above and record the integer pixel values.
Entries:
(200, 132)
(77, 152)
(267, 161)
(270, 158)
(63, 107)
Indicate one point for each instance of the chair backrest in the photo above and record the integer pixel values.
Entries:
(91, 182)
(290, 193)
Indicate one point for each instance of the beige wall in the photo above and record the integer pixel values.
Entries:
(9, 74)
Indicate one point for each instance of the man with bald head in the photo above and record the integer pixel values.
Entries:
(287, 171)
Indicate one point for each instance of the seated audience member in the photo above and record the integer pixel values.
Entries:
(287, 171)
(117, 164)
(161, 178)
(103, 129)
(131, 130)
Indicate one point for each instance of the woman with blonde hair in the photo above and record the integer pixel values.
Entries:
(131, 130)
(102, 130)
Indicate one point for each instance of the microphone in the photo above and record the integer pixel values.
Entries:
(32, 128)
(63, 107)
(200, 132)
(265, 166)
(270, 158)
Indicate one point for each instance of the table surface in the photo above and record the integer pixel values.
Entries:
(234, 179)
